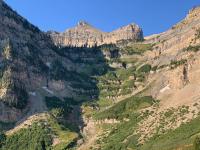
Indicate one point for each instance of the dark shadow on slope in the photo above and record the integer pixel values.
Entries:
(80, 67)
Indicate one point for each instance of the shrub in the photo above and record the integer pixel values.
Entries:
(197, 143)
(192, 48)
(175, 139)
(58, 107)
(138, 49)
(197, 34)
(154, 68)
(145, 68)
(37, 137)
(2, 139)
(126, 107)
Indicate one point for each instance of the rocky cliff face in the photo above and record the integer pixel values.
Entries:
(178, 36)
(86, 35)
(25, 50)
(179, 46)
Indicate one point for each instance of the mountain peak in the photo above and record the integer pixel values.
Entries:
(194, 9)
(130, 26)
(84, 32)
(194, 13)
(83, 23)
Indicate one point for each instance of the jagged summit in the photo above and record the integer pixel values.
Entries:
(83, 26)
(83, 23)
(194, 9)
(86, 34)
(193, 13)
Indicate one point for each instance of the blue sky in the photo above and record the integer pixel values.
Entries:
(153, 16)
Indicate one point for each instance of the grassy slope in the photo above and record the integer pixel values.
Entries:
(35, 137)
(121, 135)
(181, 137)
(125, 108)
(40, 135)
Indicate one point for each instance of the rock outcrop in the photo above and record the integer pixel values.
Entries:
(86, 35)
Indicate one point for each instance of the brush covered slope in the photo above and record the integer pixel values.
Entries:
(133, 94)
(160, 109)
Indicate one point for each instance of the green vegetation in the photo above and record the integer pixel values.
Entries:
(169, 113)
(197, 35)
(175, 64)
(67, 134)
(192, 48)
(138, 49)
(58, 107)
(154, 68)
(17, 95)
(131, 60)
(108, 47)
(82, 79)
(197, 143)
(38, 136)
(124, 74)
(121, 136)
(116, 83)
(174, 139)
(162, 66)
(95, 78)
(144, 69)
(120, 82)
(183, 110)
(2, 139)
(125, 108)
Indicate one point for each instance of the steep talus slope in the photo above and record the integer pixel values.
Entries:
(86, 35)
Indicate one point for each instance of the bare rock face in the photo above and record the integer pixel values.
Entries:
(86, 35)
(175, 46)
(169, 44)
(24, 49)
